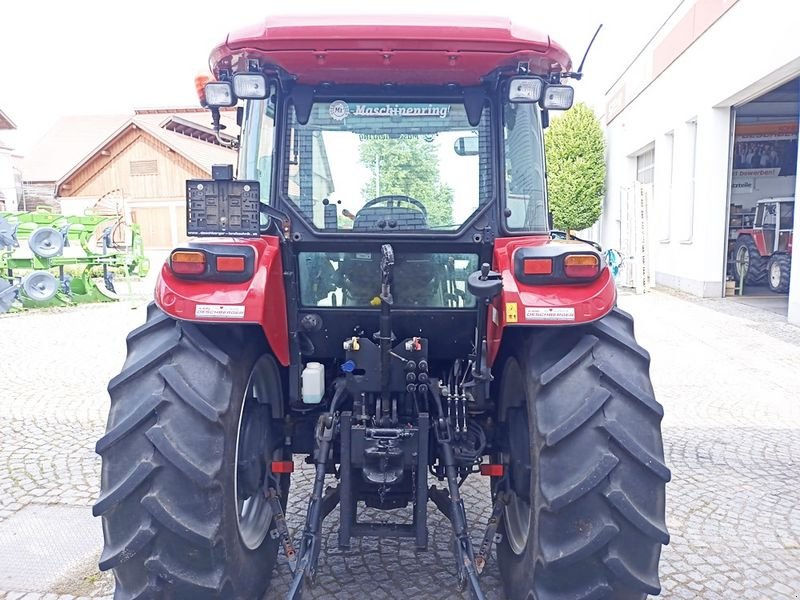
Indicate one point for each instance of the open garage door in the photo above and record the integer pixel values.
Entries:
(762, 202)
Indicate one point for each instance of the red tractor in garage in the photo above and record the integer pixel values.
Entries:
(765, 251)
(375, 288)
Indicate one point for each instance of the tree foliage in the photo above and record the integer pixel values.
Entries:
(576, 168)
(408, 167)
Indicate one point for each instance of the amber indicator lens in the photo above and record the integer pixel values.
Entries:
(230, 264)
(537, 266)
(581, 265)
(188, 262)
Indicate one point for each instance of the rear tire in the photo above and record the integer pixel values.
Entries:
(778, 270)
(169, 501)
(587, 472)
(747, 258)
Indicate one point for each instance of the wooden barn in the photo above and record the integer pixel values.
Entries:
(140, 170)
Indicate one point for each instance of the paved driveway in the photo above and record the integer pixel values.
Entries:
(728, 375)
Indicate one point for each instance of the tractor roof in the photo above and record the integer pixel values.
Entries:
(383, 49)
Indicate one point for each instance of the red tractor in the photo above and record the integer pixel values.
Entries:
(377, 290)
(765, 251)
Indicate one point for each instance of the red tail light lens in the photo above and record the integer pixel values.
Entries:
(581, 265)
(537, 266)
(230, 264)
(282, 466)
(492, 470)
(187, 262)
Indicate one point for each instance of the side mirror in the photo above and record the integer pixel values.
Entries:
(466, 146)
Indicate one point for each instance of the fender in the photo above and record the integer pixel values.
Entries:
(757, 236)
(522, 305)
(244, 302)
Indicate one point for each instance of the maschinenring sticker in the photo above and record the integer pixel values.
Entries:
(534, 313)
(219, 311)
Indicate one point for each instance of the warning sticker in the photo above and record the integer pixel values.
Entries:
(511, 312)
(219, 311)
(534, 313)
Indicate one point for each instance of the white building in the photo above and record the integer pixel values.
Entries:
(700, 126)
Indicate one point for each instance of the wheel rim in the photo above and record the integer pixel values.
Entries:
(518, 523)
(518, 510)
(775, 274)
(742, 261)
(253, 513)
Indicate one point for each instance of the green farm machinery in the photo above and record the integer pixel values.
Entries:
(50, 259)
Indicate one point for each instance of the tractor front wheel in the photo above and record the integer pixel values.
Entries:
(586, 470)
(778, 270)
(185, 456)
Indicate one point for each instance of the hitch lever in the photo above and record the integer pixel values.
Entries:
(491, 531)
(465, 556)
(281, 530)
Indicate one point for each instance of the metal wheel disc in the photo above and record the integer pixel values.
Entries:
(775, 274)
(253, 512)
(40, 286)
(742, 261)
(517, 512)
(46, 242)
(8, 293)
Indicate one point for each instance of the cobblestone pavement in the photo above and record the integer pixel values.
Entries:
(728, 376)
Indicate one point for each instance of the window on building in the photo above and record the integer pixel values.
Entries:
(645, 166)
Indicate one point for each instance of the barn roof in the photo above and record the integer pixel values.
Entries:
(6, 122)
(75, 140)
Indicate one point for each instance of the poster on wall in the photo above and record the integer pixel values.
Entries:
(765, 150)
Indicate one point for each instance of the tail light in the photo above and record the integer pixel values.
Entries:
(581, 265)
(280, 467)
(492, 470)
(557, 263)
(537, 266)
(230, 264)
(188, 262)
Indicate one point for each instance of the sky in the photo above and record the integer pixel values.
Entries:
(67, 57)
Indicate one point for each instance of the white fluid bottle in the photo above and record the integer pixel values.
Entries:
(313, 382)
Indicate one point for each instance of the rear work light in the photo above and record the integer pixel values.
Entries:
(219, 93)
(525, 89)
(230, 264)
(537, 266)
(188, 262)
(558, 97)
(251, 86)
(581, 265)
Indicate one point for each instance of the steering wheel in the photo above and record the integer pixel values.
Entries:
(390, 200)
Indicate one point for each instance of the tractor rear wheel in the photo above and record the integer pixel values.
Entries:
(586, 466)
(749, 262)
(778, 270)
(185, 456)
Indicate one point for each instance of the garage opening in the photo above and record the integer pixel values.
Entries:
(762, 203)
